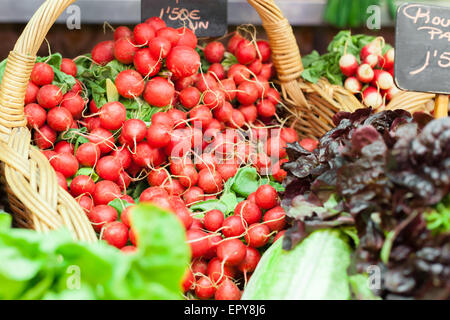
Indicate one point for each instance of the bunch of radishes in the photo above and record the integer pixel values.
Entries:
(209, 125)
(373, 77)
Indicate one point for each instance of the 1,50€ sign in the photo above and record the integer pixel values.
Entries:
(207, 18)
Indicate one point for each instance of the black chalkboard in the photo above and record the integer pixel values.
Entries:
(207, 18)
(422, 46)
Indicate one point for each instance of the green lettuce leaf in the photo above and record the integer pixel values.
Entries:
(316, 269)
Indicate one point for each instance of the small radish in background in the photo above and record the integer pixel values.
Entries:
(353, 85)
(372, 60)
(383, 80)
(42, 74)
(214, 52)
(365, 73)
(392, 92)
(372, 98)
(348, 64)
(103, 52)
(374, 48)
(388, 60)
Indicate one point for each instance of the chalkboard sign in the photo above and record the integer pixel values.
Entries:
(207, 18)
(422, 45)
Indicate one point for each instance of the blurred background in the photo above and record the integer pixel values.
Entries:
(315, 21)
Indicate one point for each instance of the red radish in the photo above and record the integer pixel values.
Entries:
(249, 211)
(206, 82)
(85, 202)
(170, 34)
(193, 195)
(251, 260)
(133, 131)
(124, 50)
(231, 251)
(218, 70)
(264, 50)
(247, 93)
(289, 135)
(206, 161)
(204, 288)
(49, 96)
(125, 216)
(66, 163)
(103, 52)
(249, 112)
(353, 85)
(392, 92)
(184, 83)
(108, 168)
(266, 197)
(233, 226)
(373, 47)
(199, 267)
(239, 73)
(273, 96)
(93, 107)
(372, 60)
(153, 192)
(123, 155)
(227, 170)
(101, 215)
(309, 144)
(348, 64)
(188, 280)
(266, 108)
(35, 114)
(246, 52)
(372, 98)
(201, 116)
(382, 80)
(210, 182)
(229, 86)
(105, 192)
(218, 271)
(365, 73)
(275, 219)
(234, 42)
(31, 93)
(64, 146)
(224, 113)
(146, 156)
(188, 176)
(127, 199)
(190, 97)
(183, 61)
(227, 290)
(122, 32)
(214, 52)
(213, 98)
(159, 47)
(88, 154)
(45, 137)
(257, 235)
(74, 103)
(158, 177)
(82, 185)
(159, 92)
(145, 63)
(116, 234)
(123, 181)
(143, 33)
(132, 237)
(183, 214)
(198, 240)
(156, 22)
(158, 136)
(267, 71)
(42, 74)
(113, 115)
(59, 119)
(213, 220)
(103, 139)
(187, 38)
(279, 235)
(68, 67)
(256, 66)
(388, 60)
(178, 117)
(62, 182)
(129, 84)
(173, 187)
(129, 249)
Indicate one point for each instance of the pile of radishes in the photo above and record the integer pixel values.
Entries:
(208, 126)
(373, 78)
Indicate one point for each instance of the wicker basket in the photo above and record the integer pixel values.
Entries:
(34, 195)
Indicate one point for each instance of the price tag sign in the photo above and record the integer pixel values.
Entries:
(422, 59)
(207, 18)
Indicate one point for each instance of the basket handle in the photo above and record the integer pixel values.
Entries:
(285, 51)
(21, 61)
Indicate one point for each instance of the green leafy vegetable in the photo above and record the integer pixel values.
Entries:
(359, 284)
(119, 205)
(315, 269)
(438, 220)
(53, 266)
